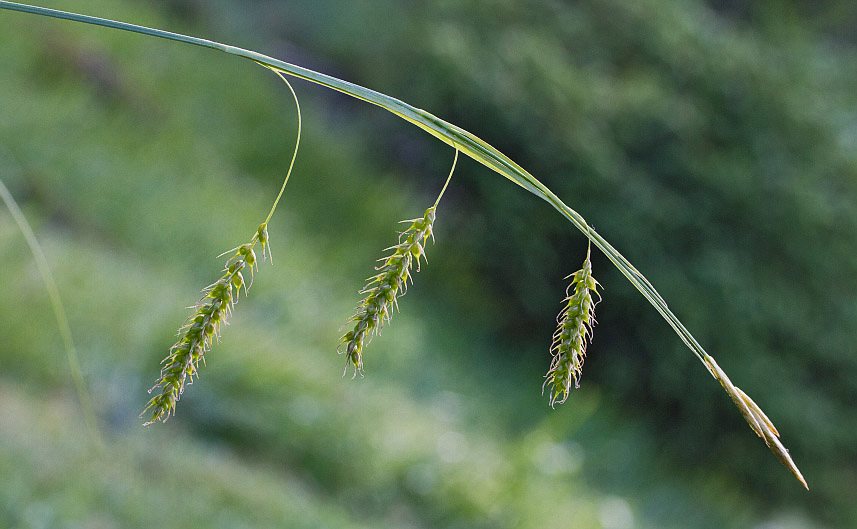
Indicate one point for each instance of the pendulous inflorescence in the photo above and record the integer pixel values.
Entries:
(391, 281)
(202, 328)
(384, 288)
(574, 330)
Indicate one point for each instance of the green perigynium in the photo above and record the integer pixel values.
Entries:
(202, 328)
(574, 330)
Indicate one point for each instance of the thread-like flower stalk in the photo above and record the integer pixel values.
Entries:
(574, 330)
(384, 288)
(202, 328)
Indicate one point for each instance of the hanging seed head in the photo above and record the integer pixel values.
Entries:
(574, 330)
(202, 328)
(383, 289)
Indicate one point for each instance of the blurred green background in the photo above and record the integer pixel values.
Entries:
(713, 143)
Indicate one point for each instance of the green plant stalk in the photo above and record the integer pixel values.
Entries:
(59, 313)
(451, 134)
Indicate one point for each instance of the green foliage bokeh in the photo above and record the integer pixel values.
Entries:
(713, 146)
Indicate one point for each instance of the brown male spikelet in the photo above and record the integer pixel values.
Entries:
(384, 288)
(199, 331)
(756, 418)
(574, 329)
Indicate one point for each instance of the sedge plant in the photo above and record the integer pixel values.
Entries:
(202, 328)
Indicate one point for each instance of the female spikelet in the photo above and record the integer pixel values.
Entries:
(383, 289)
(202, 328)
(574, 330)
